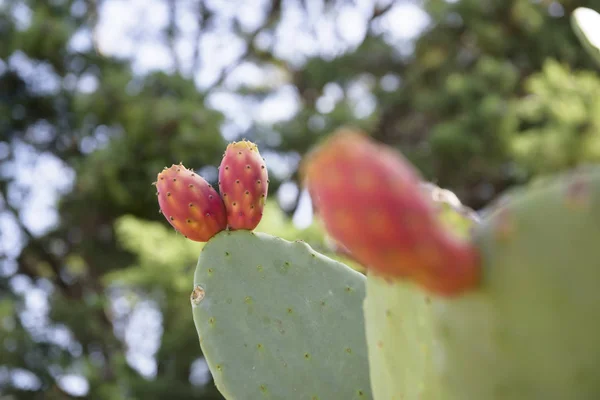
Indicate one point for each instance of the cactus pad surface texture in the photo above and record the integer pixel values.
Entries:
(276, 320)
(529, 331)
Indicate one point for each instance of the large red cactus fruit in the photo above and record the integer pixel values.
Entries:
(370, 201)
(190, 204)
(243, 183)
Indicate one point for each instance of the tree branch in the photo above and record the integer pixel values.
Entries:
(273, 15)
(35, 245)
(204, 16)
(379, 11)
(172, 34)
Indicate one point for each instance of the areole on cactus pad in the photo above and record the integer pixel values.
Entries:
(371, 201)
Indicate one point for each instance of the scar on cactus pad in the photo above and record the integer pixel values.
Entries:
(195, 209)
(371, 201)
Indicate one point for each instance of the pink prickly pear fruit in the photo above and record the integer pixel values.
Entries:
(190, 204)
(243, 183)
(370, 200)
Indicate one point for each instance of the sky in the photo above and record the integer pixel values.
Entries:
(44, 178)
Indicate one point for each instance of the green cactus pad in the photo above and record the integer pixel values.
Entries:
(276, 320)
(399, 329)
(399, 337)
(531, 331)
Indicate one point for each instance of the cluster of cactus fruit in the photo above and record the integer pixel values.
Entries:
(453, 306)
(195, 209)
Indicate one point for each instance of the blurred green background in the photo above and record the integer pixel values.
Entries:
(97, 96)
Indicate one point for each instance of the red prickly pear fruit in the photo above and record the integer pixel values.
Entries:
(370, 200)
(243, 183)
(190, 204)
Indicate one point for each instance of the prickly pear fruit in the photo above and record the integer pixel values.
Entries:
(526, 331)
(243, 183)
(277, 320)
(371, 201)
(190, 204)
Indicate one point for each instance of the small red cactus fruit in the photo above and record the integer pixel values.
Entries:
(243, 183)
(370, 200)
(190, 204)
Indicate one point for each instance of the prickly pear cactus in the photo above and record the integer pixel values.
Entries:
(530, 321)
(277, 320)
(523, 330)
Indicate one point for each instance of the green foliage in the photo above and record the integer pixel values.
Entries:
(162, 255)
(559, 120)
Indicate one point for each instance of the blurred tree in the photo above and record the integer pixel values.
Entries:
(93, 295)
(559, 120)
(449, 105)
